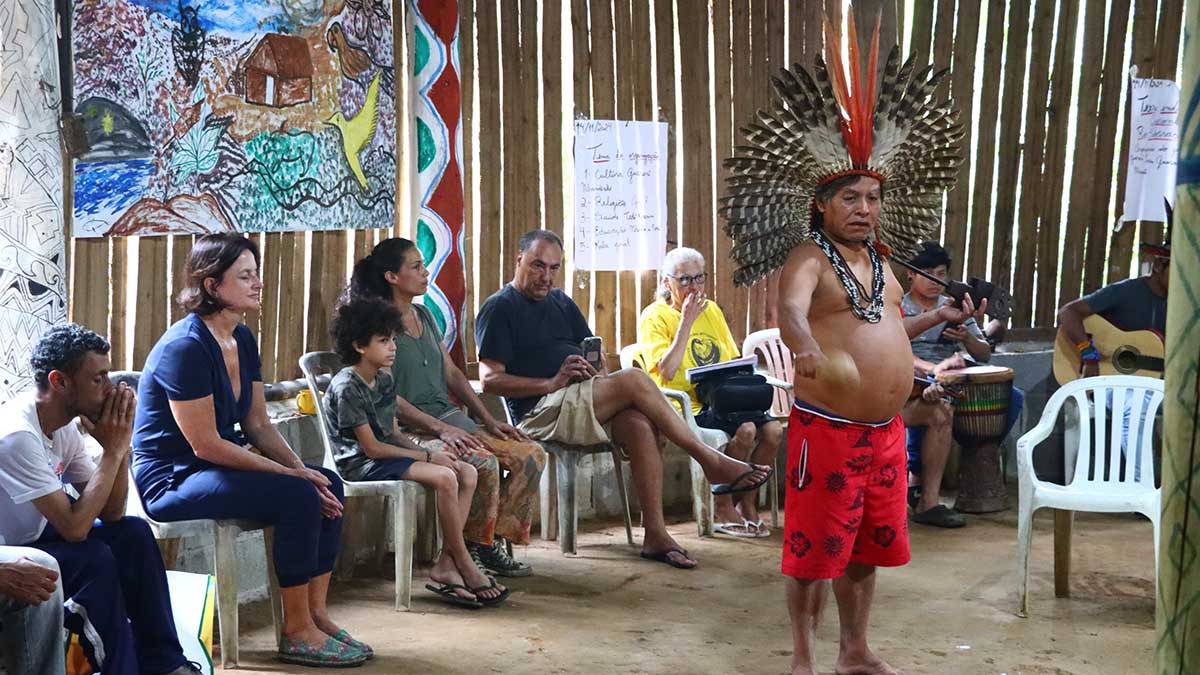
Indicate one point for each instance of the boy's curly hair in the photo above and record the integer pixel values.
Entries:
(357, 321)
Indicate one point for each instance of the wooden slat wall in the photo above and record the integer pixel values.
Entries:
(625, 38)
(1032, 154)
(1054, 164)
(621, 63)
(1083, 173)
(604, 107)
(1009, 162)
(118, 299)
(1115, 67)
(466, 58)
(1145, 14)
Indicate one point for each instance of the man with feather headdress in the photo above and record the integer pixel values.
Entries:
(832, 180)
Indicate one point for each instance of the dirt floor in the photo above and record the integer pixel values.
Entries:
(952, 610)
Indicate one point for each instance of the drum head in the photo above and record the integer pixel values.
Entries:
(980, 374)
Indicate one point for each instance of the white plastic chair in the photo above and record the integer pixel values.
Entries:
(781, 372)
(702, 499)
(558, 503)
(1104, 478)
(403, 493)
(224, 534)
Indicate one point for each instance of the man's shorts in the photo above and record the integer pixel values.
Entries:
(846, 487)
(567, 416)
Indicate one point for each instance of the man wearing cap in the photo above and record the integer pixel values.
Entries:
(1130, 305)
(937, 345)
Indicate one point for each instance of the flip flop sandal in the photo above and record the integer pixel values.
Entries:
(727, 528)
(332, 654)
(490, 602)
(758, 526)
(446, 593)
(665, 557)
(940, 516)
(731, 488)
(343, 636)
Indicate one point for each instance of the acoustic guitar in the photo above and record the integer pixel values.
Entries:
(1138, 352)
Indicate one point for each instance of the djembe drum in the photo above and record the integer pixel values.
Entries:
(980, 415)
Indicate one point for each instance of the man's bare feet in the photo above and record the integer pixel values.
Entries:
(804, 668)
(663, 543)
(729, 470)
(862, 663)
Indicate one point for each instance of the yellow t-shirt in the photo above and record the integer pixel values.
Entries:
(710, 342)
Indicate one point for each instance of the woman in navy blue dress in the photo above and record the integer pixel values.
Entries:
(192, 462)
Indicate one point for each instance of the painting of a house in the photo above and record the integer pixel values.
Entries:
(279, 71)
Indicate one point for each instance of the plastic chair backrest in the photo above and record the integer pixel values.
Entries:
(1116, 425)
(632, 357)
(777, 358)
(314, 364)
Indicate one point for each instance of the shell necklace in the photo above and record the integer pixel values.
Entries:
(869, 309)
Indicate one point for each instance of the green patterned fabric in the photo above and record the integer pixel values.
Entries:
(1178, 613)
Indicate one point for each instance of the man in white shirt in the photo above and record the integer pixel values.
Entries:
(112, 574)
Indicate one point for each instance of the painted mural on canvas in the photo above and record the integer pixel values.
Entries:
(242, 115)
(32, 284)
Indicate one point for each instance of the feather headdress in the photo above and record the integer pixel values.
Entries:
(825, 125)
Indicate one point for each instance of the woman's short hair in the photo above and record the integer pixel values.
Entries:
(211, 256)
(358, 321)
(671, 262)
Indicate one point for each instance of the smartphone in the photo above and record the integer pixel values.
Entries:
(591, 350)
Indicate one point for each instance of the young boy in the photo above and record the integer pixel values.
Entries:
(360, 413)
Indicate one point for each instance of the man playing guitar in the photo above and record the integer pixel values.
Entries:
(1130, 305)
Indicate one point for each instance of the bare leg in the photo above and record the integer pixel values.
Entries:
(767, 438)
(724, 506)
(455, 565)
(634, 432)
(854, 591)
(297, 618)
(633, 388)
(806, 602)
(937, 419)
(318, 591)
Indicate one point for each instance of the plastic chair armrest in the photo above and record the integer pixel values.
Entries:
(684, 401)
(774, 381)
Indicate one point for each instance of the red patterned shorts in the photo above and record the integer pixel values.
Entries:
(846, 486)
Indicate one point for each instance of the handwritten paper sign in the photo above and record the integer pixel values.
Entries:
(1153, 149)
(620, 194)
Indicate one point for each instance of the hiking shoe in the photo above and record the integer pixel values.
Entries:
(495, 559)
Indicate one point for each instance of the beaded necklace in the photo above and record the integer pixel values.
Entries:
(870, 310)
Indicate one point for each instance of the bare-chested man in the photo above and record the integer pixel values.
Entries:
(846, 480)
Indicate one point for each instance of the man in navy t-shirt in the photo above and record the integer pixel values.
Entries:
(529, 336)
(1130, 305)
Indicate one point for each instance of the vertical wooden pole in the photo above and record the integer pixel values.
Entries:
(1178, 609)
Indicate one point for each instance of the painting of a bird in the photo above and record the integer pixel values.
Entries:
(358, 131)
(354, 61)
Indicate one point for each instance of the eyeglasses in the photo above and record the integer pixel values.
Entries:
(695, 280)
